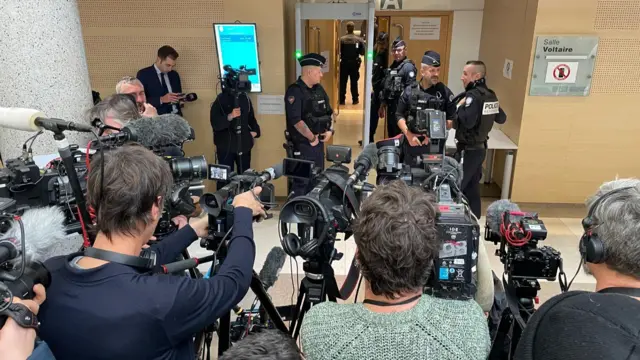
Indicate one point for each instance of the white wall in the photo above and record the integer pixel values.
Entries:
(465, 45)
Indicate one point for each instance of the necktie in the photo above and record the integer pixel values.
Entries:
(164, 83)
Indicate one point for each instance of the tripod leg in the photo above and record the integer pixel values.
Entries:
(266, 304)
(298, 309)
(223, 333)
(305, 307)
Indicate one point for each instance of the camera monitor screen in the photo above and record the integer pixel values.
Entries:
(237, 45)
(219, 172)
(298, 169)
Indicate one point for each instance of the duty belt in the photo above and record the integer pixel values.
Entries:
(481, 146)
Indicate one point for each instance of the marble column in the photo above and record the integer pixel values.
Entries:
(42, 66)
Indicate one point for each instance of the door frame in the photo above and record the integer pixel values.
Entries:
(341, 11)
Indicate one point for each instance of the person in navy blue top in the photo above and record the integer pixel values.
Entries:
(162, 84)
(97, 309)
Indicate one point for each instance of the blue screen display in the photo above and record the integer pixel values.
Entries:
(237, 45)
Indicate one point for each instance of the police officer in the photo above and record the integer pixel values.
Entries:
(477, 111)
(380, 64)
(428, 93)
(309, 115)
(232, 116)
(351, 48)
(399, 75)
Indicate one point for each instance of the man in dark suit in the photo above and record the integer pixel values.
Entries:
(161, 83)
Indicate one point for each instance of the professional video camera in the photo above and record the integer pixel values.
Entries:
(326, 210)
(453, 275)
(518, 234)
(237, 80)
(218, 205)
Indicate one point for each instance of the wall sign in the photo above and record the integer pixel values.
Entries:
(563, 65)
(390, 4)
(425, 28)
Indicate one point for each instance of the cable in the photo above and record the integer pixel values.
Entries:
(358, 288)
(577, 271)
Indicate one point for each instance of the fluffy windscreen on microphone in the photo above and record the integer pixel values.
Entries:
(272, 266)
(453, 167)
(495, 211)
(161, 130)
(44, 234)
(369, 153)
(278, 170)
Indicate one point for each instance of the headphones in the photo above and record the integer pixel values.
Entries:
(591, 246)
(291, 243)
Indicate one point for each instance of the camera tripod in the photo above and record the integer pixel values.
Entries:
(204, 338)
(520, 296)
(318, 285)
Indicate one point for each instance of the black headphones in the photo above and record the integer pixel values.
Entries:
(591, 247)
(291, 243)
(146, 260)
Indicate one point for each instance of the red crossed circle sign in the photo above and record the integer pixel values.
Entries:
(561, 72)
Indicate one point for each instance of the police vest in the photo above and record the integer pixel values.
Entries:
(420, 100)
(489, 110)
(315, 109)
(394, 82)
(350, 48)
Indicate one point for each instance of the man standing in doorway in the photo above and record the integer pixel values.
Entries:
(161, 82)
(351, 48)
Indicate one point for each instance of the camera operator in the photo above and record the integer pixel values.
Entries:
(104, 303)
(223, 118)
(115, 112)
(309, 115)
(477, 111)
(17, 342)
(397, 242)
(604, 324)
(132, 86)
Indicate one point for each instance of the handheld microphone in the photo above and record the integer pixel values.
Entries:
(271, 173)
(34, 120)
(366, 160)
(125, 135)
(495, 211)
(190, 97)
(162, 130)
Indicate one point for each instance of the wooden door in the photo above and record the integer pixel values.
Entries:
(400, 25)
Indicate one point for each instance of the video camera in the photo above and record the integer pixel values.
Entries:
(459, 231)
(218, 205)
(330, 206)
(237, 80)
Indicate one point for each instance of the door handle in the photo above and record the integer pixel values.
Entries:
(401, 30)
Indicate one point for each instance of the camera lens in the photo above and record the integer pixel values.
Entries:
(388, 158)
(194, 168)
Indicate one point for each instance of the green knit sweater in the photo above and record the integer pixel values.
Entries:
(435, 329)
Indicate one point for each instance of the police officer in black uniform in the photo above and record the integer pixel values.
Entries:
(428, 93)
(380, 64)
(309, 115)
(351, 48)
(478, 109)
(399, 75)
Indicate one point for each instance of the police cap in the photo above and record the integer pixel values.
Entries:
(398, 43)
(312, 59)
(431, 58)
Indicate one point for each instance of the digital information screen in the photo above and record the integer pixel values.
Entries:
(237, 45)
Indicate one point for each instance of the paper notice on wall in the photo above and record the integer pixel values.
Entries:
(325, 67)
(507, 69)
(425, 28)
(271, 104)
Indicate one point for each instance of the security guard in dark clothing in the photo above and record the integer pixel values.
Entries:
(380, 64)
(428, 93)
(351, 48)
(309, 115)
(478, 109)
(225, 119)
(399, 75)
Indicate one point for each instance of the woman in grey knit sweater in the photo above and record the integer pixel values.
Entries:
(397, 242)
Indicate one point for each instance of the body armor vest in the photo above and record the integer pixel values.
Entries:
(394, 80)
(315, 109)
(489, 110)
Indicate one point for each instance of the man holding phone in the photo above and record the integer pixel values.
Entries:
(162, 83)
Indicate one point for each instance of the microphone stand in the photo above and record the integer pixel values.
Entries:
(236, 104)
(67, 159)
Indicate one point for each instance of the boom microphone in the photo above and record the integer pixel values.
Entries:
(495, 212)
(367, 159)
(453, 167)
(34, 120)
(161, 130)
